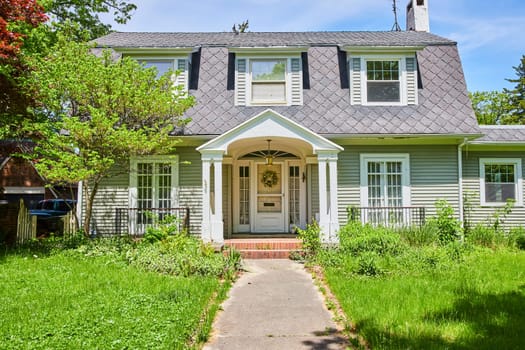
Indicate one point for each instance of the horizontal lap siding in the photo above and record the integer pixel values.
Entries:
(190, 185)
(471, 186)
(112, 193)
(433, 175)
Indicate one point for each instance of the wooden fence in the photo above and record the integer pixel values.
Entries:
(26, 225)
(70, 224)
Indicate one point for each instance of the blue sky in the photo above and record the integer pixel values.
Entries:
(490, 34)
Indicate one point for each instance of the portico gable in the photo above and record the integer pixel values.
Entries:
(290, 137)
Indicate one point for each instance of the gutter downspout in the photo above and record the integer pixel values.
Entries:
(460, 179)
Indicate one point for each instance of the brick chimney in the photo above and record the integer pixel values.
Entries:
(417, 16)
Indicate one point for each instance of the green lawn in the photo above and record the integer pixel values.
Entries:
(476, 303)
(69, 301)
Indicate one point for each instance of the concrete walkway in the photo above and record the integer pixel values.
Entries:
(274, 305)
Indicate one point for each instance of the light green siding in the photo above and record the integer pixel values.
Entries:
(190, 185)
(433, 175)
(112, 193)
(471, 188)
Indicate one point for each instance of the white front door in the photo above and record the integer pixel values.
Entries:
(270, 206)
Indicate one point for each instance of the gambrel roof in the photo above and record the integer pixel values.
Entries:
(443, 105)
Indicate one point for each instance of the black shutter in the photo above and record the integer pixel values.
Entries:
(230, 85)
(343, 69)
(195, 69)
(306, 72)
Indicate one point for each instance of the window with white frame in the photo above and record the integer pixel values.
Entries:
(161, 65)
(385, 186)
(386, 80)
(268, 81)
(383, 81)
(178, 65)
(500, 181)
(153, 187)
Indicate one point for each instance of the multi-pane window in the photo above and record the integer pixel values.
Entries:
(383, 83)
(244, 195)
(385, 189)
(500, 181)
(154, 185)
(385, 184)
(268, 81)
(294, 192)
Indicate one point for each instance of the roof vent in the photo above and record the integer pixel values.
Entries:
(417, 16)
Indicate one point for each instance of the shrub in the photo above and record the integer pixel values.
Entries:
(356, 239)
(311, 239)
(482, 235)
(517, 237)
(167, 226)
(449, 228)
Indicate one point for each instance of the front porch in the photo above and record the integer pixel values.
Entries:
(267, 175)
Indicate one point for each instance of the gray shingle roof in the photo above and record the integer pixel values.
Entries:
(266, 39)
(443, 108)
(502, 134)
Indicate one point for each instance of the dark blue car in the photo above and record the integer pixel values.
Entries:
(49, 212)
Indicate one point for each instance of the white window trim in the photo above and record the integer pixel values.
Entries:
(172, 159)
(174, 64)
(288, 78)
(518, 180)
(404, 158)
(403, 98)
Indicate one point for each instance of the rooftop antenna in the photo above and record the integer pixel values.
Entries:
(396, 26)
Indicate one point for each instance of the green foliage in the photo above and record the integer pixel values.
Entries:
(356, 239)
(71, 301)
(500, 214)
(517, 236)
(368, 264)
(311, 239)
(97, 112)
(517, 95)
(449, 228)
(427, 234)
(491, 107)
(169, 225)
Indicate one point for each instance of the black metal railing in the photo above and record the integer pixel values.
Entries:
(134, 221)
(388, 216)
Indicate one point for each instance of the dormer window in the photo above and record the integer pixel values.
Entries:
(268, 81)
(164, 63)
(386, 79)
(161, 65)
(383, 84)
(265, 79)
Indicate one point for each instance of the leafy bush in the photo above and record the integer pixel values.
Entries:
(311, 239)
(183, 255)
(356, 239)
(449, 228)
(517, 237)
(167, 226)
(481, 235)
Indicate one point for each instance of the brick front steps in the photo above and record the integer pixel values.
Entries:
(264, 248)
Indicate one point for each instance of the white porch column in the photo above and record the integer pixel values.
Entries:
(212, 222)
(334, 215)
(324, 219)
(217, 226)
(328, 204)
(206, 209)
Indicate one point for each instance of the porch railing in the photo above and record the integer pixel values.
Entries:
(388, 216)
(134, 221)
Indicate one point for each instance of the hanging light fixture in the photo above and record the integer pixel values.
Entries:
(269, 156)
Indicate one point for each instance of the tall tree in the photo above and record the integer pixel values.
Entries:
(491, 107)
(84, 14)
(517, 95)
(99, 112)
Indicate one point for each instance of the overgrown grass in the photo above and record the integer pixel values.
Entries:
(412, 289)
(91, 295)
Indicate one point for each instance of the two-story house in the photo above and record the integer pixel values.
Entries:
(291, 127)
